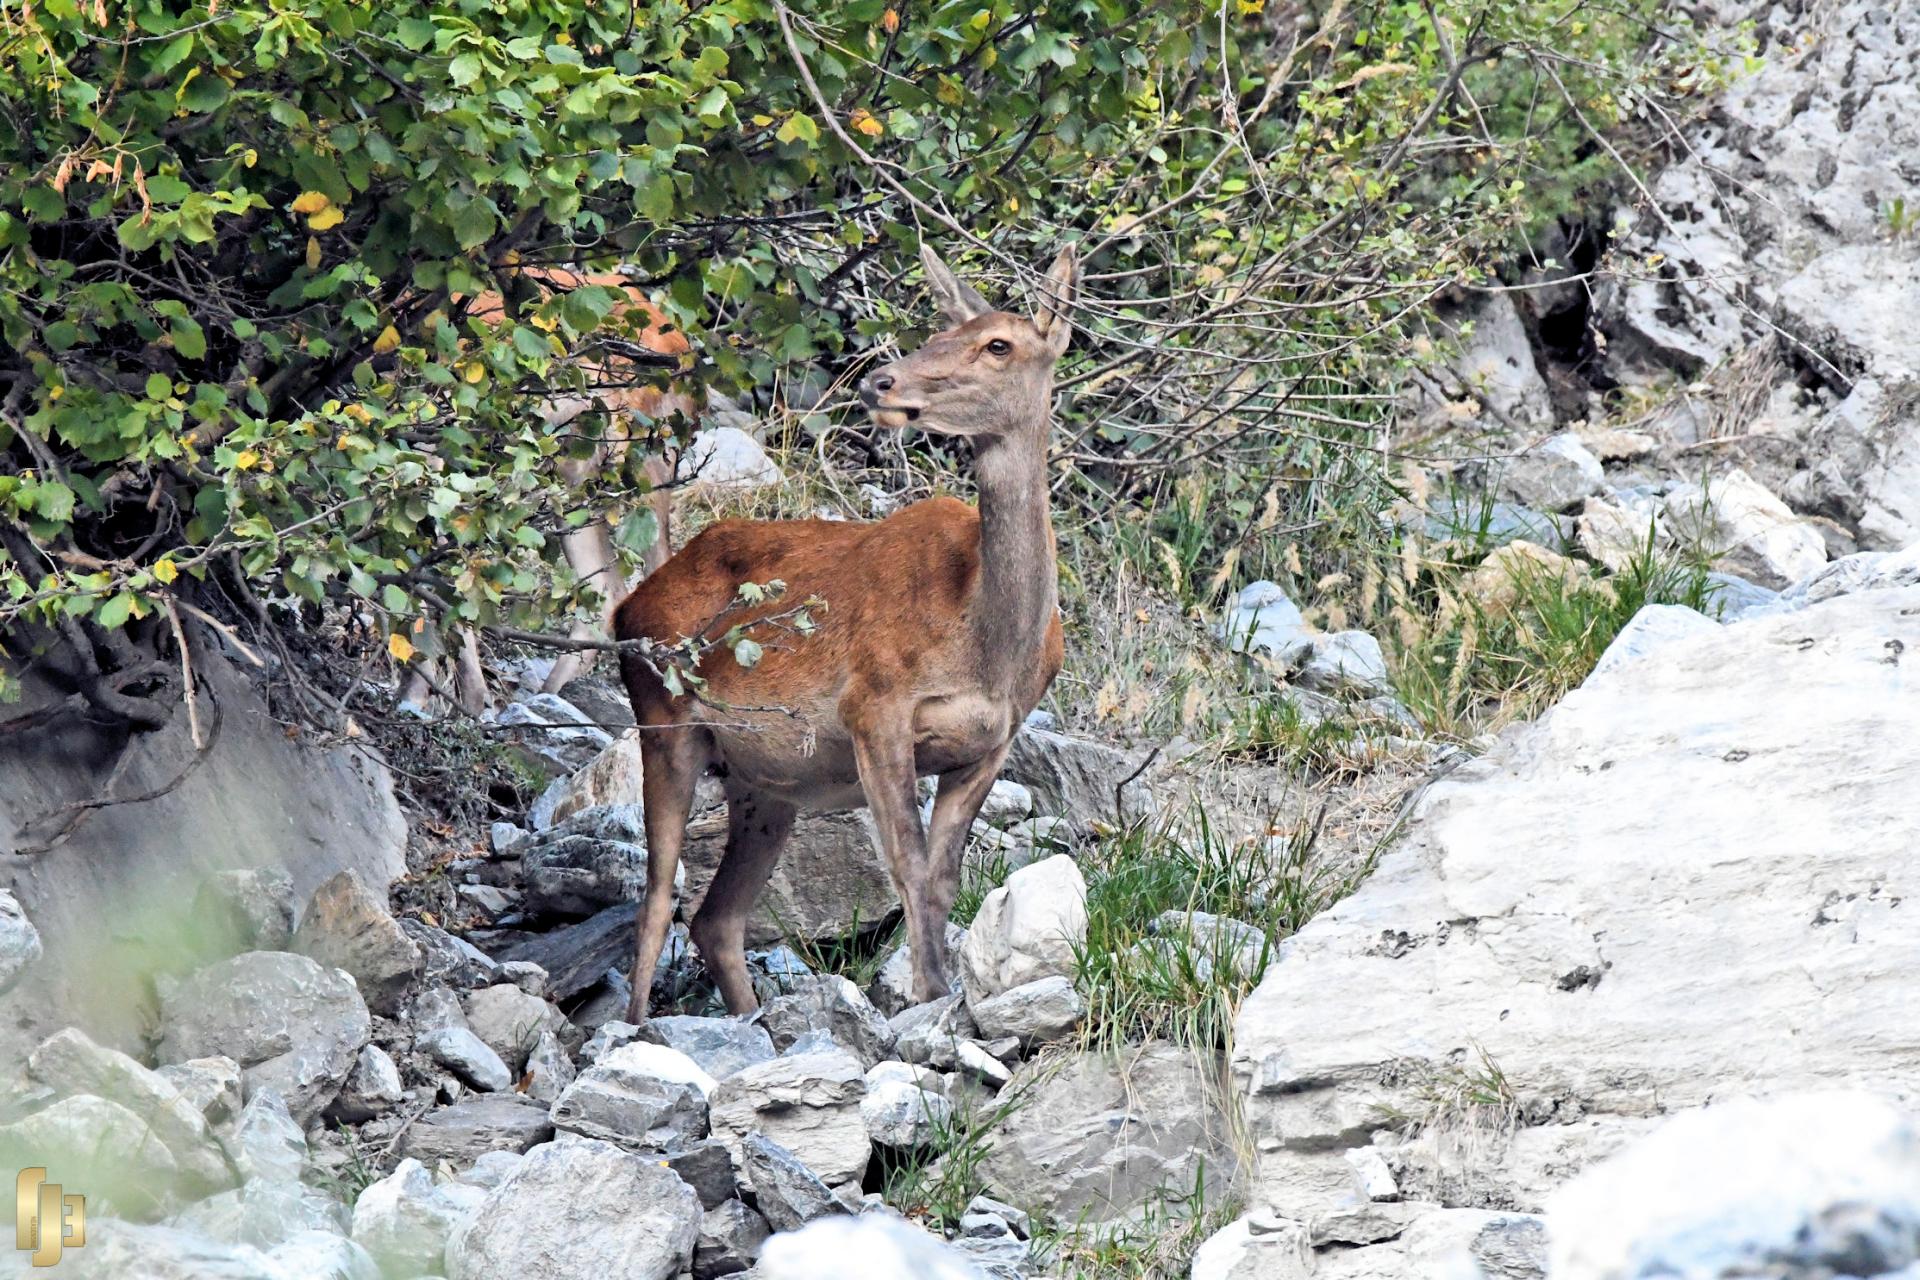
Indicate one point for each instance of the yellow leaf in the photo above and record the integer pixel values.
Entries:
(55, 392)
(166, 570)
(473, 371)
(400, 647)
(864, 121)
(327, 218)
(313, 254)
(311, 202)
(389, 339)
(246, 460)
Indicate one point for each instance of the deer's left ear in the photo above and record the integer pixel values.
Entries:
(1057, 292)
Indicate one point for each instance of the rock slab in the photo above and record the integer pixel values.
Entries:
(1691, 879)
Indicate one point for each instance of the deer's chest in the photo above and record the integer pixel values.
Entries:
(960, 728)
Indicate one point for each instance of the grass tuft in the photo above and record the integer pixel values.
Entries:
(1158, 1244)
(1468, 665)
(1145, 975)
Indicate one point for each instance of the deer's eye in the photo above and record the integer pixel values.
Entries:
(999, 346)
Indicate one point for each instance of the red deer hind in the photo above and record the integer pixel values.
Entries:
(614, 385)
(941, 633)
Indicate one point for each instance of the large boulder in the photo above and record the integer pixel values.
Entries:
(788, 1193)
(467, 1056)
(19, 941)
(99, 1148)
(510, 1021)
(1026, 930)
(1554, 475)
(1794, 254)
(830, 1004)
(404, 1221)
(645, 1097)
(573, 874)
(870, 1247)
(1746, 529)
(1098, 1134)
(465, 1131)
(120, 1250)
(611, 778)
(1807, 1185)
(580, 1210)
(809, 1103)
(1075, 778)
(293, 1025)
(720, 1046)
(347, 926)
(69, 1063)
(579, 955)
(1685, 882)
(831, 881)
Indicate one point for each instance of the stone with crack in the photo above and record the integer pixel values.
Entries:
(580, 1210)
(809, 1105)
(292, 1025)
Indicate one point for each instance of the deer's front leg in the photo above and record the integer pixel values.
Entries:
(883, 750)
(962, 792)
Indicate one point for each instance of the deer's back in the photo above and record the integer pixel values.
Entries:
(892, 591)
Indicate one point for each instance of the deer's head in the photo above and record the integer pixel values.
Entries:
(988, 373)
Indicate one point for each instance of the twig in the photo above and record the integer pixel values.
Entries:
(186, 673)
(1120, 787)
(245, 650)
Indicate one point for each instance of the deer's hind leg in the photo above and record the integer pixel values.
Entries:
(757, 829)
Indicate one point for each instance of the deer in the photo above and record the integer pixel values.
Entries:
(941, 632)
(611, 376)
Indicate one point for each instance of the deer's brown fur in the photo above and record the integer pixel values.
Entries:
(941, 632)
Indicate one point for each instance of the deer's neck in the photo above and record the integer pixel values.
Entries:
(1018, 583)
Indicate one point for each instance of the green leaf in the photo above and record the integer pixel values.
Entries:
(415, 33)
(159, 386)
(44, 204)
(170, 55)
(113, 614)
(188, 340)
(465, 69)
(474, 224)
(747, 653)
(52, 500)
(166, 188)
(799, 127)
(638, 531)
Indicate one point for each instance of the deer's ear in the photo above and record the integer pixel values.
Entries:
(1057, 292)
(958, 302)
